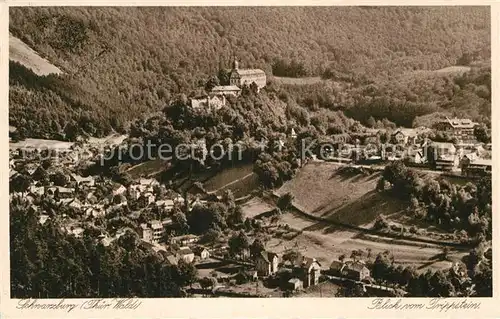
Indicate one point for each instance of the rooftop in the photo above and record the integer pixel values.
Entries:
(185, 251)
(226, 88)
(250, 71)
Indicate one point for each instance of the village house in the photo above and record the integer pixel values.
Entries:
(405, 136)
(165, 204)
(94, 211)
(357, 271)
(186, 254)
(61, 192)
(154, 231)
(70, 202)
(416, 156)
(461, 129)
(441, 148)
(43, 218)
(158, 230)
(202, 253)
(447, 163)
(184, 240)
(36, 190)
(240, 77)
(354, 270)
(146, 199)
(75, 231)
(150, 183)
(308, 270)
(266, 263)
(118, 189)
(445, 156)
(473, 166)
(171, 259)
(146, 233)
(83, 181)
(295, 284)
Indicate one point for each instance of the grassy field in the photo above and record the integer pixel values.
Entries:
(297, 81)
(241, 180)
(41, 144)
(22, 53)
(325, 190)
(255, 207)
(227, 176)
(149, 168)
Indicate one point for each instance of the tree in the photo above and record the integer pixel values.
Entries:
(285, 201)
(212, 82)
(352, 290)
(179, 223)
(256, 247)
(481, 134)
(371, 122)
(382, 266)
(20, 183)
(224, 76)
(186, 273)
(291, 256)
(211, 236)
(238, 243)
(59, 179)
(236, 216)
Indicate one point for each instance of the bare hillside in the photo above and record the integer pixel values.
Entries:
(20, 52)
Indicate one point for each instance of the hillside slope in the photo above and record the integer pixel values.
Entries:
(123, 63)
(328, 191)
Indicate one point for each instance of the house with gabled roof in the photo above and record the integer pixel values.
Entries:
(186, 254)
(240, 77)
(461, 129)
(266, 263)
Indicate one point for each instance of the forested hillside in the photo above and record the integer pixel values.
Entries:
(122, 63)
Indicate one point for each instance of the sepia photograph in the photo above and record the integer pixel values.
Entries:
(255, 152)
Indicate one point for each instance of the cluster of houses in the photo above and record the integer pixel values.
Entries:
(190, 252)
(415, 148)
(303, 272)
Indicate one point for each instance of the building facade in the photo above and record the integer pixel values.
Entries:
(461, 129)
(240, 77)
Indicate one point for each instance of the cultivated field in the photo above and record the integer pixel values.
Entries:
(149, 168)
(327, 243)
(255, 207)
(240, 180)
(22, 53)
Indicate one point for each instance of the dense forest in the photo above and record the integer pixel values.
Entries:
(124, 63)
(46, 262)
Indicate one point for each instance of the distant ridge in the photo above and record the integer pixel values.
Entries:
(20, 52)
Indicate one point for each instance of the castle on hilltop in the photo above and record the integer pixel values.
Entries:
(240, 77)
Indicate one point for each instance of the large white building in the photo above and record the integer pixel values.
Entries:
(240, 77)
